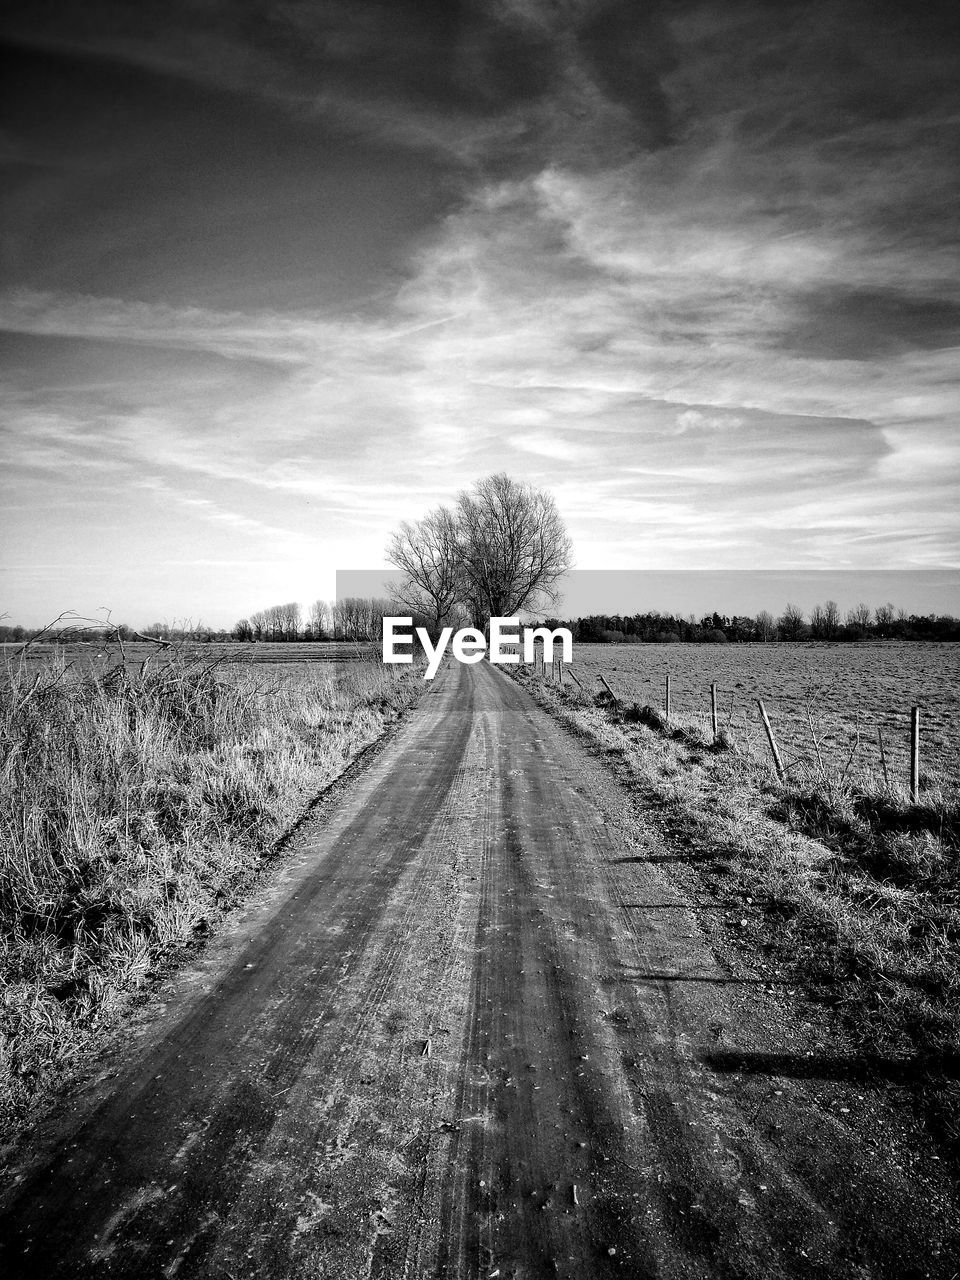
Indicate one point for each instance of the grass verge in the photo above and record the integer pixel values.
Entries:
(836, 883)
(135, 806)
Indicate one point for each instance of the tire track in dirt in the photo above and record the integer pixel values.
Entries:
(361, 1098)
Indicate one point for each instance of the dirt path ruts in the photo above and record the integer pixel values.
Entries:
(467, 1033)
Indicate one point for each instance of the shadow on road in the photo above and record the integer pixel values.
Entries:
(862, 1069)
(718, 978)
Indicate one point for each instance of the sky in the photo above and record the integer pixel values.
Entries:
(275, 277)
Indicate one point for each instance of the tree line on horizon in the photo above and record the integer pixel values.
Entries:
(360, 618)
(826, 623)
(350, 618)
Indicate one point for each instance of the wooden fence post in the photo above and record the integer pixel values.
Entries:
(914, 754)
(713, 711)
(668, 699)
(772, 740)
(560, 672)
(607, 687)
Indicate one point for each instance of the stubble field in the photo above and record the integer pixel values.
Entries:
(820, 697)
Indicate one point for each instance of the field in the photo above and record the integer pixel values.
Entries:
(831, 697)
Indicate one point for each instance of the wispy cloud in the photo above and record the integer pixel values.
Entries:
(267, 336)
(694, 269)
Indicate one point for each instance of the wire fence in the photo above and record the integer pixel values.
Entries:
(836, 728)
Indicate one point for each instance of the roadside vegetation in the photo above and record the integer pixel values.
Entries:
(833, 879)
(136, 805)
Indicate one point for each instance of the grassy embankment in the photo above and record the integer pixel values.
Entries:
(134, 808)
(834, 878)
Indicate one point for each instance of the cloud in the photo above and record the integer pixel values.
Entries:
(504, 84)
(547, 446)
(691, 267)
(694, 420)
(263, 336)
(212, 511)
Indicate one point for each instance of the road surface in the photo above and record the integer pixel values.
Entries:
(471, 1028)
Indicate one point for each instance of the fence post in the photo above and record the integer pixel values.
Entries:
(772, 740)
(560, 672)
(914, 754)
(668, 699)
(713, 711)
(607, 687)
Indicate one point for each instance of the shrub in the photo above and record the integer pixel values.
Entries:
(647, 715)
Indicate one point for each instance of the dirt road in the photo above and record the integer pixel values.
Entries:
(473, 1029)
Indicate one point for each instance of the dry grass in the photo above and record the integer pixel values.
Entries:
(836, 881)
(136, 805)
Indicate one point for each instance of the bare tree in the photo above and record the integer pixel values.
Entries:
(766, 626)
(290, 617)
(860, 618)
(360, 617)
(428, 555)
(338, 619)
(885, 615)
(502, 550)
(825, 621)
(513, 546)
(318, 618)
(279, 622)
(792, 626)
(349, 618)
